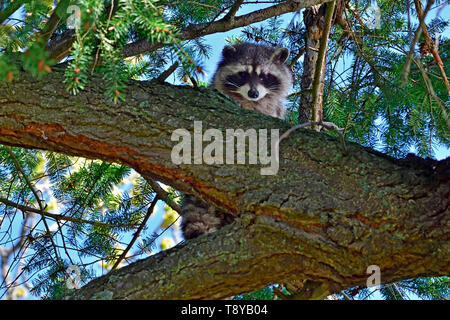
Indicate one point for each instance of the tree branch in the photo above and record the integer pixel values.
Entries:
(431, 91)
(59, 217)
(430, 43)
(9, 10)
(137, 233)
(38, 200)
(53, 21)
(163, 76)
(324, 217)
(163, 195)
(317, 89)
(60, 48)
(262, 251)
(234, 8)
(407, 65)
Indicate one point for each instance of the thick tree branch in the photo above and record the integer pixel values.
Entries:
(261, 252)
(407, 65)
(319, 74)
(324, 217)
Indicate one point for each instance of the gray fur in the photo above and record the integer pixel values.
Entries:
(200, 218)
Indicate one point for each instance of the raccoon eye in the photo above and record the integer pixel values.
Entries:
(236, 80)
(269, 80)
(244, 75)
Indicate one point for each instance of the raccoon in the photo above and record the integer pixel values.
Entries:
(257, 77)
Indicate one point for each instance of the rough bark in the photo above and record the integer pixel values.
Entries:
(324, 217)
(314, 20)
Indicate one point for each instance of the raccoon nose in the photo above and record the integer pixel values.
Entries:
(253, 93)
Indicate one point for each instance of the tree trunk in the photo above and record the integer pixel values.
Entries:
(314, 20)
(324, 216)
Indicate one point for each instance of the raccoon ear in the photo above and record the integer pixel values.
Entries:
(280, 55)
(228, 52)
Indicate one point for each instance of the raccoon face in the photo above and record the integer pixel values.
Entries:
(252, 85)
(250, 72)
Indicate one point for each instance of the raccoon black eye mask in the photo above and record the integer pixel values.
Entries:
(252, 86)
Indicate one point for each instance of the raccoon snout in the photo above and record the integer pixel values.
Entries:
(253, 93)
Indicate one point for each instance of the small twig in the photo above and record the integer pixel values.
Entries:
(59, 217)
(299, 93)
(328, 125)
(25, 177)
(167, 72)
(193, 3)
(111, 10)
(137, 233)
(345, 295)
(431, 91)
(408, 9)
(297, 56)
(38, 200)
(356, 15)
